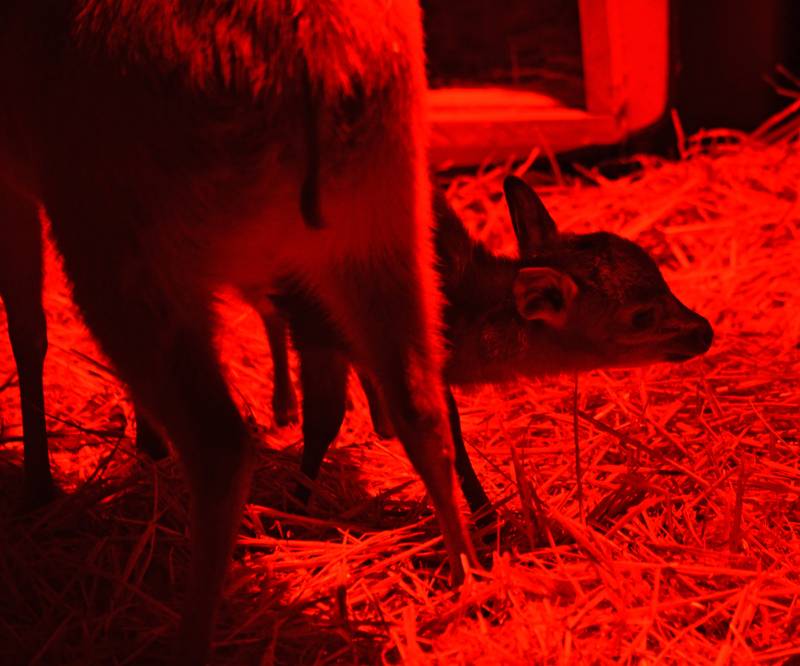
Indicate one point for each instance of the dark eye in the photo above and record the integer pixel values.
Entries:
(643, 319)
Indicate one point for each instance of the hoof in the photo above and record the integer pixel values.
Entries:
(285, 410)
(285, 418)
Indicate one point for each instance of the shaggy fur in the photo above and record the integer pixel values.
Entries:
(183, 146)
(256, 46)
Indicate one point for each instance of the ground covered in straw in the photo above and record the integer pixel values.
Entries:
(687, 548)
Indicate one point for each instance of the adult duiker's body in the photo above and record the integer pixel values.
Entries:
(181, 145)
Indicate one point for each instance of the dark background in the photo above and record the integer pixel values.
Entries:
(723, 55)
(724, 51)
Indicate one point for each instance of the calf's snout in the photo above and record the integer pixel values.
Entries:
(695, 339)
(703, 335)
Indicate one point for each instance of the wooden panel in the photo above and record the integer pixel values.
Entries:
(470, 124)
(625, 64)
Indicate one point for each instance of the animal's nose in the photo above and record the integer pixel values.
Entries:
(703, 335)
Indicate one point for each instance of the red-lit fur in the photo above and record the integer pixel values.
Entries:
(569, 302)
(169, 142)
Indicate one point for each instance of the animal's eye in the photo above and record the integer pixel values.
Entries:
(643, 319)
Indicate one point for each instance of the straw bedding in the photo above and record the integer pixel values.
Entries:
(683, 544)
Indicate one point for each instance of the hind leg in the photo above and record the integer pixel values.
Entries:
(159, 338)
(385, 301)
(173, 373)
(190, 400)
(470, 483)
(284, 400)
(21, 291)
(384, 316)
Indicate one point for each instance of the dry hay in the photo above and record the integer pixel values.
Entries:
(687, 549)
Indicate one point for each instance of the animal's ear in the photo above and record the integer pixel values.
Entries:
(533, 225)
(544, 294)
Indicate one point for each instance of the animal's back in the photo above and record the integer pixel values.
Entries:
(197, 115)
(172, 143)
(256, 46)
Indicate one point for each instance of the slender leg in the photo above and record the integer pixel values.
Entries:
(158, 334)
(385, 302)
(284, 400)
(324, 380)
(412, 391)
(385, 318)
(381, 422)
(183, 390)
(21, 291)
(470, 483)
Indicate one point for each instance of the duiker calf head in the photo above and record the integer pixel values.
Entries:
(600, 297)
(575, 302)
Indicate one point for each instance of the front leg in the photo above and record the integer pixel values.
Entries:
(284, 401)
(323, 377)
(21, 291)
(381, 423)
(470, 483)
